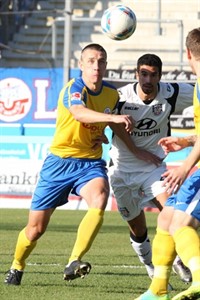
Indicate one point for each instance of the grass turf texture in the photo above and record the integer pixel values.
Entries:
(116, 272)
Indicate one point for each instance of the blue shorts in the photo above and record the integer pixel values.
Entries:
(187, 198)
(61, 176)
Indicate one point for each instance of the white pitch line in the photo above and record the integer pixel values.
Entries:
(103, 266)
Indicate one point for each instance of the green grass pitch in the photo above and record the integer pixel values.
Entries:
(116, 272)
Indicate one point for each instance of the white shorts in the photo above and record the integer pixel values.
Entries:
(134, 191)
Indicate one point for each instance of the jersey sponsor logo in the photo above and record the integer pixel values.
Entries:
(157, 109)
(145, 127)
(15, 99)
(76, 96)
(131, 107)
(145, 124)
(93, 127)
(146, 133)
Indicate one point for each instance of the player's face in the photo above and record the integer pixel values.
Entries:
(148, 78)
(93, 66)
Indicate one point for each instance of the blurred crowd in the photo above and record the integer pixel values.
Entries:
(12, 17)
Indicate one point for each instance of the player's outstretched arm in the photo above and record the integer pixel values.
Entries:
(172, 144)
(86, 115)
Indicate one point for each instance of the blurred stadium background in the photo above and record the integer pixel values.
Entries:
(40, 44)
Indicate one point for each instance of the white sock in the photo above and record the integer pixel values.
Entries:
(143, 250)
(177, 259)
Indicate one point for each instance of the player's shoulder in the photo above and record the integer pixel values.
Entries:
(178, 87)
(127, 90)
(108, 85)
(126, 87)
(74, 84)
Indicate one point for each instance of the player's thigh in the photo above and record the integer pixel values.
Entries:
(165, 217)
(96, 192)
(182, 219)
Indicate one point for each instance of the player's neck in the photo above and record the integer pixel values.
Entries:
(94, 87)
(146, 98)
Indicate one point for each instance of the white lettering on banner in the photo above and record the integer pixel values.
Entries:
(169, 76)
(113, 75)
(128, 75)
(41, 113)
(38, 151)
(19, 177)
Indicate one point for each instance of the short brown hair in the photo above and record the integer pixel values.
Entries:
(150, 59)
(95, 47)
(193, 42)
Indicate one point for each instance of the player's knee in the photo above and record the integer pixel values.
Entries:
(34, 233)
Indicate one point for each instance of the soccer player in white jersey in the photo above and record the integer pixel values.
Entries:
(180, 217)
(136, 174)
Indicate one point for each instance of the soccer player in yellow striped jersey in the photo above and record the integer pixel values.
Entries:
(76, 139)
(74, 165)
(180, 218)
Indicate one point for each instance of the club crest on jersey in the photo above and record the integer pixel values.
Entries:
(157, 109)
(124, 211)
(107, 110)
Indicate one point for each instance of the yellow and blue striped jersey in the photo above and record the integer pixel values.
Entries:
(73, 138)
(196, 102)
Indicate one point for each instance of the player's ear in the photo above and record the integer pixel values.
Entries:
(188, 53)
(80, 65)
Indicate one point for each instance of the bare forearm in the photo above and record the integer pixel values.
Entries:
(85, 115)
(190, 140)
(120, 131)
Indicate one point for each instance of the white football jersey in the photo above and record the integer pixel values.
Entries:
(152, 122)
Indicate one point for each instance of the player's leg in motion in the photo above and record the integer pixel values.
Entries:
(181, 270)
(183, 228)
(87, 231)
(140, 242)
(96, 193)
(178, 267)
(27, 239)
(191, 258)
(163, 258)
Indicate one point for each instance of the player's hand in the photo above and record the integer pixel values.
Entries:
(173, 179)
(170, 144)
(99, 140)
